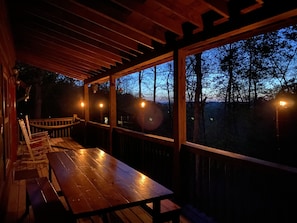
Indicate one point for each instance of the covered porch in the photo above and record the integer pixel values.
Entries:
(129, 37)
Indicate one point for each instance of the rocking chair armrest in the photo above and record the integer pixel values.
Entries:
(39, 150)
(39, 134)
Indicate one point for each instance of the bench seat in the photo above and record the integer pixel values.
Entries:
(170, 212)
(45, 202)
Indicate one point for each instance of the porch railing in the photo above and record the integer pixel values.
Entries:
(62, 127)
(236, 188)
(151, 155)
(228, 187)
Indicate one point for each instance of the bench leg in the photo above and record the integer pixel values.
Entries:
(105, 218)
(27, 208)
(176, 219)
(49, 173)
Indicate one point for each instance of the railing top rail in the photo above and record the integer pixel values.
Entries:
(154, 138)
(52, 119)
(240, 157)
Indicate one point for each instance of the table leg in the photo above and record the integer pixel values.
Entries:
(105, 218)
(49, 173)
(156, 211)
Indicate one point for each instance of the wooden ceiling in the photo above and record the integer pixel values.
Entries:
(92, 39)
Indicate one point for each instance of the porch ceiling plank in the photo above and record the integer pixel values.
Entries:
(126, 18)
(80, 47)
(25, 56)
(53, 36)
(45, 64)
(47, 27)
(45, 49)
(77, 24)
(74, 25)
(72, 64)
(102, 20)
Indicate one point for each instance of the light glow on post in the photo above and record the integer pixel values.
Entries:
(283, 103)
(142, 104)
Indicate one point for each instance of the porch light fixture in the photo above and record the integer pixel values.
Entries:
(142, 104)
(281, 103)
(82, 105)
(101, 105)
(142, 122)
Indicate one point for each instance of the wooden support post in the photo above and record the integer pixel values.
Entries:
(179, 113)
(87, 104)
(112, 109)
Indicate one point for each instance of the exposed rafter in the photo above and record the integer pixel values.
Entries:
(89, 40)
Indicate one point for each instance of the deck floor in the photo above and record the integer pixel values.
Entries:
(17, 195)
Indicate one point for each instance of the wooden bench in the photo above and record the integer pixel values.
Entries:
(45, 202)
(169, 212)
(195, 216)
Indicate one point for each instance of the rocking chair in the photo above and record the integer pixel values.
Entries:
(36, 147)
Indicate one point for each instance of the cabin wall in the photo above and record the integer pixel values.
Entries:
(8, 127)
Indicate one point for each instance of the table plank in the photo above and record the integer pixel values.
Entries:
(126, 174)
(94, 182)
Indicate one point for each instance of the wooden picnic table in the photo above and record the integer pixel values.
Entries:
(96, 183)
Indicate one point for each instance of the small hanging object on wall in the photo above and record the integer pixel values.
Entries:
(15, 75)
(27, 94)
(94, 88)
(27, 89)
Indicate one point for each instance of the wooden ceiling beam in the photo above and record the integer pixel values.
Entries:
(192, 15)
(129, 20)
(219, 6)
(152, 11)
(95, 39)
